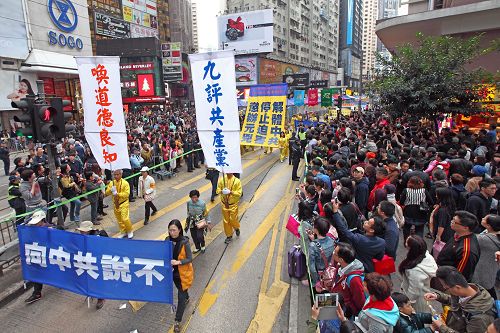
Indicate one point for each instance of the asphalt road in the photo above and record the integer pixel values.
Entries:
(240, 287)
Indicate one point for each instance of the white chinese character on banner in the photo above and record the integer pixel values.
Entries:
(84, 263)
(35, 254)
(114, 269)
(60, 258)
(148, 270)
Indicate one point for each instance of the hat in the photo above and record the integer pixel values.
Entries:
(370, 155)
(13, 178)
(37, 216)
(145, 169)
(85, 226)
(360, 170)
(479, 170)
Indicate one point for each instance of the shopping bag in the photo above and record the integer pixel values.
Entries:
(385, 266)
(437, 247)
(293, 225)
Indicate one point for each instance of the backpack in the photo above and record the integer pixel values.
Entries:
(327, 276)
(350, 277)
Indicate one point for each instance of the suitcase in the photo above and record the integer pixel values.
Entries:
(296, 262)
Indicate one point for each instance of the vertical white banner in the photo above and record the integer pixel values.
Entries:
(104, 124)
(217, 109)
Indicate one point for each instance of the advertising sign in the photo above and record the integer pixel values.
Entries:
(99, 267)
(272, 71)
(246, 71)
(104, 123)
(171, 61)
(318, 84)
(13, 41)
(109, 26)
(146, 84)
(143, 14)
(248, 32)
(350, 18)
(140, 31)
(217, 117)
(265, 116)
(128, 14)
(297, 80)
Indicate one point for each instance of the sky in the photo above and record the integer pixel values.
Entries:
(207, 23)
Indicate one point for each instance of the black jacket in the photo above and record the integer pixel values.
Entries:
(478, 205)
(460, 166)
(414, 323)
(422, 175)
(15, 199)
(462, 253)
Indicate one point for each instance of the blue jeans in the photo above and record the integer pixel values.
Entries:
(74, 210)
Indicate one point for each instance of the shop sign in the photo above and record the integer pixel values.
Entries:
(64, 16)
(152, 99)
(109, 26)
(142, 66)
(318, 84)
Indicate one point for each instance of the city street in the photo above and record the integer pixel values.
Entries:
(246, 279)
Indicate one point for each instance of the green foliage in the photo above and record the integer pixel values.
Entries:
(432, 77)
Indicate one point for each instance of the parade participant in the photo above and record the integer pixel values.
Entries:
(231, 190)
(147, 191)
(283, 145)
(87, 228)
(197, 220)
(183, 274)
(120, 190)
(37, 220)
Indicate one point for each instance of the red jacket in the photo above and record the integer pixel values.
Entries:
(353, 292)
(379, 185)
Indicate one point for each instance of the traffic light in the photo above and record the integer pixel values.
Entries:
(60, 128)
(44, 122)
(26, 118)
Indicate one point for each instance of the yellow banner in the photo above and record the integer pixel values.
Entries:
(264, 121)
(127, 14)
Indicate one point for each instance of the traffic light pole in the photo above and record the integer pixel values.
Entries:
(55, 184)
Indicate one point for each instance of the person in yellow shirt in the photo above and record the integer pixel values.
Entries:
(283, 145)
(230, 188)
(120, 189)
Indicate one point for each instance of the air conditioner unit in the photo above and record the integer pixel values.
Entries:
(8, 64)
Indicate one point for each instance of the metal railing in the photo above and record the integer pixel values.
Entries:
(8, 239)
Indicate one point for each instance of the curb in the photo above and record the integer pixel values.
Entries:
(293, 317)
(13, 292)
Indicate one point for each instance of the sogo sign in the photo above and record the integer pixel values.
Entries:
(64, 16)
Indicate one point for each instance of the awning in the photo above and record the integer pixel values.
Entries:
(50, 62)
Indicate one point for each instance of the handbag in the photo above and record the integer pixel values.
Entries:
(148, 197)
(437, 247)
(293, 225)
(385, 266)
(424, 206)
(201, 224)
(327, 276)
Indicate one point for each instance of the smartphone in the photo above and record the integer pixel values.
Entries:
(297, 190)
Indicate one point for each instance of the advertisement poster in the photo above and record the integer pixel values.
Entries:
(246, 71)
(138, 31)
(172, 62)
(265, 116)
(109, 26)
(297, 80)
(272, 71)
(248, 32)
(128, 14)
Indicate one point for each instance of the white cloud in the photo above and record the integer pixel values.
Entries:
(207, 22)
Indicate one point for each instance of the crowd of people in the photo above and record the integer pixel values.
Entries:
(372, 182)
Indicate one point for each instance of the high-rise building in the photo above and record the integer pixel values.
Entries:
(181, 27)
(163, 21)
(370, 15)
(194, 15)
(305, 31)
(386, 9)
(350, 43)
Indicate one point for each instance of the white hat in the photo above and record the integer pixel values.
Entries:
(86, 226)
(37, 216)
(145, 169)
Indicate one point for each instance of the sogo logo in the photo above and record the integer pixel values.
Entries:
(64, 16)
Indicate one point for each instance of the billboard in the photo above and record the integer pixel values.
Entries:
(272, 71)
(245, 69)
(297, 80)
(141, 13)
(350, 18)
(248, 32)
(171, 61)
(109, 26)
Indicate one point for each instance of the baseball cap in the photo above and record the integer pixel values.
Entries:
(86, 226)
(359, 169)
(145, 169)
(37, 216)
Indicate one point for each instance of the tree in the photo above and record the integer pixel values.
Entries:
(432, 78)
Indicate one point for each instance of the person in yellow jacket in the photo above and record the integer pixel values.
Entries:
(283, 145)
(182, 264)
(230, 188)
(120, 189)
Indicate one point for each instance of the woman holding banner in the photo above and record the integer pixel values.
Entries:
(183, 268)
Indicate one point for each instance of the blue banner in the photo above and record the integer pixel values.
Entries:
(99, 267)
(299, 97)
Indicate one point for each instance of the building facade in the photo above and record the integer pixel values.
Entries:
(370, 15)
(163, 22)
(194, 15)
(305, 31)
(387, 9)
(350, 41)
(181, 27)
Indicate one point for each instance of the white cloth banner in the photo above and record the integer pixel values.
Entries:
(217, 109)
(104, 124)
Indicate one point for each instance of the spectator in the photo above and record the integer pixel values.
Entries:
(440, 222)
(320, 244)
(461, 165)
(348, 209)
(386, 211)
(494, 327)
(40, 157)
(462, 250)
(458, 190)
(362, 190)
(417, 269)
(92, 184)
(4, 156)
(489, 242)
(76, 166)
(326, 180)
(398, 211)
(380, 313)
(382, 180)
(410, 321)
(416, 201)
(479, 203)
(30, 191)
(471, 306)
(478, 172)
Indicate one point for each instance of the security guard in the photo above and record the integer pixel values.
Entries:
(15, 199)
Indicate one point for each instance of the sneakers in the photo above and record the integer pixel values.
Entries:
(203, 249)
(228, 239)
(99, 304)
(146, 221)
(177, 327)
(154, 212)
(196, 251)
(238, 232)
(33, 298)
(130, 235)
